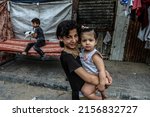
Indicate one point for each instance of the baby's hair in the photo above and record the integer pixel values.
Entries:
(35, 20)
(84, 28)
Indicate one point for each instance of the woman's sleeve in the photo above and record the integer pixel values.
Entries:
(72, 63)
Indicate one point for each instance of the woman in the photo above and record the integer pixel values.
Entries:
(67, 33)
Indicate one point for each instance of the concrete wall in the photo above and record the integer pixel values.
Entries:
(119, 35)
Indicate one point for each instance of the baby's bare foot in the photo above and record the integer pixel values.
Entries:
(104, 96)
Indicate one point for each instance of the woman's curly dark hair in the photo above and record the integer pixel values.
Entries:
(63, 29)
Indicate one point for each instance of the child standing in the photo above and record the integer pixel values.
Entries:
(40, 39)
(92, 62)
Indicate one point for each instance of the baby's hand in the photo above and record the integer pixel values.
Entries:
(101, 87)
(108, 78)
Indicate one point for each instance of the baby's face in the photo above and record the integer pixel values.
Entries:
(88, 41)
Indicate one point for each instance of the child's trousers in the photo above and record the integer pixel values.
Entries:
(36, 46)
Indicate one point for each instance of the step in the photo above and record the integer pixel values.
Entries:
(35, 72)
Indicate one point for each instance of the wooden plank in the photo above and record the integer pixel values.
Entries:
(47, 54)
(5, 47)
(25, 41)
(18, 46)
(24, 44)
(47, 50)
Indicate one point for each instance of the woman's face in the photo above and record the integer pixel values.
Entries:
(71, 40)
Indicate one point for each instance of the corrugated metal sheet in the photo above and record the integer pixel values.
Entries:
(134, 48)
(97, 13)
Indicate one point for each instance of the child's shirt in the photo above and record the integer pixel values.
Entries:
(87, 61)
(40, 34)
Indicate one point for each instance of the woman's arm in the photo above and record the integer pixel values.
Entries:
(87, 77)
(73, 65)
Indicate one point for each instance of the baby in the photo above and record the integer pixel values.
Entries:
(92, 62)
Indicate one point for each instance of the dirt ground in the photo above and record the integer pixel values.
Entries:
(25, 78)
(17, 91)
